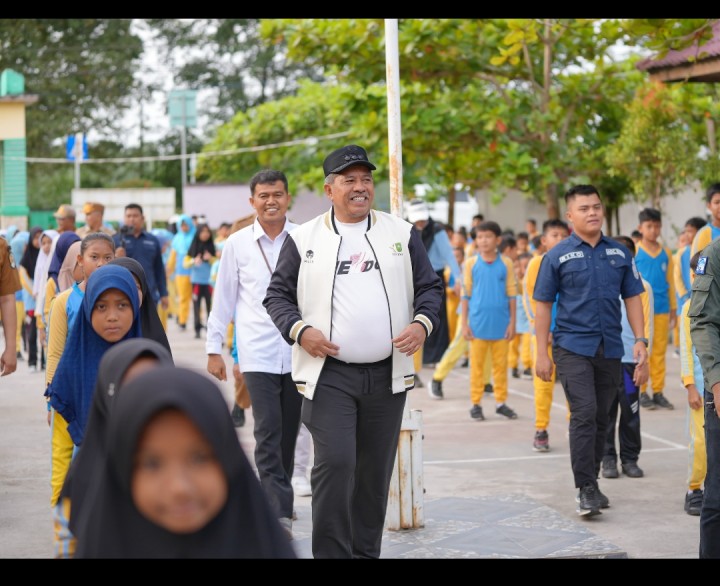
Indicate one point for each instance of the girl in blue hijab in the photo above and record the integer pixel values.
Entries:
(181, 275)
(110, 312)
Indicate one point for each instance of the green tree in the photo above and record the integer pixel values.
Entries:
(229, 56)
(82, 71)
(655, 149)
(498, 103)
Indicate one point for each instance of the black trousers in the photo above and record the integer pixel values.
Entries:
(200, 292)
(590, 385)
(276, 407)
(354, 419)
(30, 334)
(627, 401)
(438, 341)
(710, 513)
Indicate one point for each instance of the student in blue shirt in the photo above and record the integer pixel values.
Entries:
(588, 273)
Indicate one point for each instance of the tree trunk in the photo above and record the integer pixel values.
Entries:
(551, 203)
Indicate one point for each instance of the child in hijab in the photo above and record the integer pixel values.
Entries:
(180, 245)
(81, 260)
(109, 313)
(150, 322)
(52, 287)
(26, 270)
(170, 424)
(200, 259)
(48, 240)
(18, 244)
(119, 365)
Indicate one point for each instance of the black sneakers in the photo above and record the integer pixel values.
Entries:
(476, 413)
(238, 416)
(516, 372)
(588, 501)
(660, 401)
(435, 389)
(693, 502)
(527, 374)
(632, 470)
(506, 411)
(646, 402)
(418, 382)
(604, 501)
(488, 388)
(609, 468)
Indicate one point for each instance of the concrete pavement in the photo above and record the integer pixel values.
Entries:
(487, 494)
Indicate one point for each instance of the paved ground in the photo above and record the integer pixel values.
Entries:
(487, 494)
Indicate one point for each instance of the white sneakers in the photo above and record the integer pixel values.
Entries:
(301, 486)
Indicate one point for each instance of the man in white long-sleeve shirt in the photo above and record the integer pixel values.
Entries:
(264, 357)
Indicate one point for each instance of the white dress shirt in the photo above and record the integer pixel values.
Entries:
(242, 281)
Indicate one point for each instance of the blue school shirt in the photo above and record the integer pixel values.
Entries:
(588, 283)
(654, 270)
(488, 307)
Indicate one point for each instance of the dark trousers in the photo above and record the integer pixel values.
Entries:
(200, 292)
(627, 401)
(590, 385)
(710, 514)
(354, 419)
(30, 334)
(276, 407)
(438, 341)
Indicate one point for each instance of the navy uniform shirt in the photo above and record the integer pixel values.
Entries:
(588, 283)
(147, 251)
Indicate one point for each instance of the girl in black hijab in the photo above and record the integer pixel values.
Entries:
(144, 448)
(28, 263)
(121, 362)
(149, 319)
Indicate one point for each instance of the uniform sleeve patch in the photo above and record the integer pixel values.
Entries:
(701, 264)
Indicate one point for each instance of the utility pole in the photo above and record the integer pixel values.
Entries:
(181, 107)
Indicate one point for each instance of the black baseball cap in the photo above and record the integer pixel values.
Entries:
(345, 157)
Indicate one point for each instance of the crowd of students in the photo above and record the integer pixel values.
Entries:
(79, 305)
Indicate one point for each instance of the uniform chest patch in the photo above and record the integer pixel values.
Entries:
(571, 255)
(701, 264)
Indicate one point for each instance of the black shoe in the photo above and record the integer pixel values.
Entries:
(506, 411)
(465, 363)
(20, 356)
(476, 413)
(541, 443)
(418, 382)
(436, 389)
(588, 501)
(646, 402)
(197, 335)
(516, 372)
(527, 374)
(632, 470)
(238, 416)
(609, 468)
(604, 501)
(183, 327)
(660, 400)
(488, 388)
(693, 502)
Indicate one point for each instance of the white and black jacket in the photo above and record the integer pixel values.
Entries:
(300, 293)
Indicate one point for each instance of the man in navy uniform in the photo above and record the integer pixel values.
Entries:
(588, 273)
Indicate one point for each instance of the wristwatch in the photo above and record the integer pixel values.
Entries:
(643, 340)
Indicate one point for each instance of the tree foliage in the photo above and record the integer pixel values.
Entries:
(655, 149)
(82, 72)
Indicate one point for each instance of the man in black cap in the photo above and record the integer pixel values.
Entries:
(355, 295)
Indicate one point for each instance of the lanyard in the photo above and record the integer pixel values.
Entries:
(267, 264)
(264, 257)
